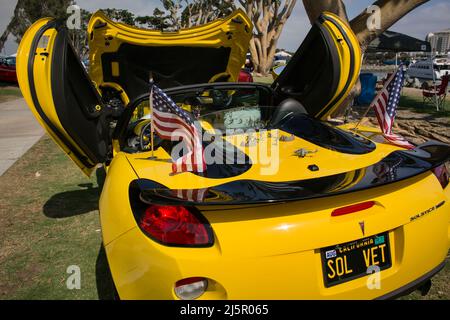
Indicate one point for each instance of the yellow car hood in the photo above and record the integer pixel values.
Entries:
(283, 162)
(122, 57)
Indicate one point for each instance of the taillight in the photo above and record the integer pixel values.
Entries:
(190, 288)
(176, 225)
(352, 208)
(442, 175)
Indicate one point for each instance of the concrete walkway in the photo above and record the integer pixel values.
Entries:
(19, 130)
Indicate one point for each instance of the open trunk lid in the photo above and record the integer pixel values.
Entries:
(122, 56)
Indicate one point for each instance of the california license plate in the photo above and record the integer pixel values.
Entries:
(351, 260)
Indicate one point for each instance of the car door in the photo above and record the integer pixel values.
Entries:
(324, 69)
(61, 95)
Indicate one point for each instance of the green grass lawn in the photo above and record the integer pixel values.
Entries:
(49, 221)
(9, 92)
(416, 104)
(266, 80)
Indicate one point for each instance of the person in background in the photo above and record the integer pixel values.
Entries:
(245, 75)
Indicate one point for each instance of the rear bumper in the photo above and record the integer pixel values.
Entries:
(414, 285)
(242, 264)
(143, 270)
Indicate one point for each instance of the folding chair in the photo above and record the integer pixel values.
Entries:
(438, 94)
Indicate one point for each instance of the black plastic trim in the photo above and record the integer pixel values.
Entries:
(77, 102)
(325, 135)
(397, 166)
(352, 66)
(170, 65)
(284, 79)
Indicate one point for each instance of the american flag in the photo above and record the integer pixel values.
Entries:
(173, 123)
(196, 195)
(385, 105)
(386, 171)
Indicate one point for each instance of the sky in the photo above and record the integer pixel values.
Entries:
(430, 17)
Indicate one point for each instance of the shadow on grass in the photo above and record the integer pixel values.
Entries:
(105, 284)
(72, 203)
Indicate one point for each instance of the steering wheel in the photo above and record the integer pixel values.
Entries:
(145, 134)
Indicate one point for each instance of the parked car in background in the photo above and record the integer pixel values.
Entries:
(245, 75)
(8, 69)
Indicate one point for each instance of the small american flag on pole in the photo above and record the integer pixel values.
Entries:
(173, 123)
(385, 105)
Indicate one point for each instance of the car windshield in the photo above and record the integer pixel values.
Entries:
(238, 110)
(220, 109)
(226, 110)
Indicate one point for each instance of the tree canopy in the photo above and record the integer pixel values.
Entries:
(27, 12)
(268, 16)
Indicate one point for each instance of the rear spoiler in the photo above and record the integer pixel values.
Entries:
(397, 166)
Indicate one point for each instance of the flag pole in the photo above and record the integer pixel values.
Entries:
(364, 115)
(152, 128)
(376, 97)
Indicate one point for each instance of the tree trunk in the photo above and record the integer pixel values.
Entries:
(269, 18)
(391, 11)
(315, 7)
(4, 38)
(11, 25)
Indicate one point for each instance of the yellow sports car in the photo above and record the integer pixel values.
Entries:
(292, 207)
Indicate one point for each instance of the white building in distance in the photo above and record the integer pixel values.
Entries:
(440, 41)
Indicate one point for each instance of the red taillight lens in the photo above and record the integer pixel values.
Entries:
(187, 281)
(175, 225)
(353, 208)
(442, 175)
